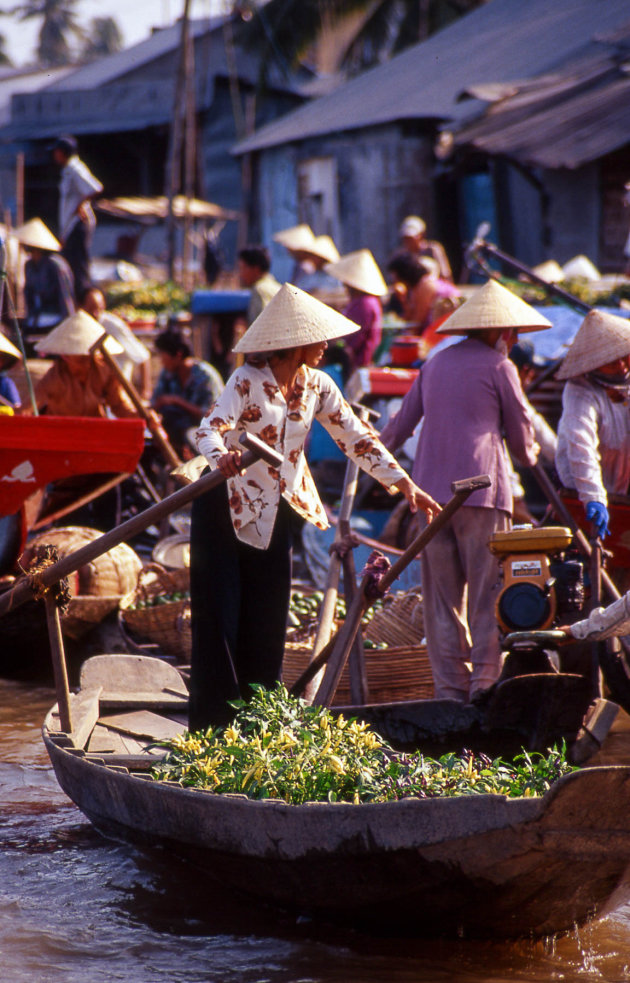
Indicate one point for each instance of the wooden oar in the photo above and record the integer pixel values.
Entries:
(338, 649)
(331, 590)
(149, 417)
(22, 591)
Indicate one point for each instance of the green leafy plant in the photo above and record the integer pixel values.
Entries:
(280, 747)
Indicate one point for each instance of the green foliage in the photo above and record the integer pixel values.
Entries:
(133, 301)
(58, 22)
(280, 747)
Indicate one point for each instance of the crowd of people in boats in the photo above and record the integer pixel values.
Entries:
(467, 403)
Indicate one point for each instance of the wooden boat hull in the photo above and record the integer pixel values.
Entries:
(478, 865)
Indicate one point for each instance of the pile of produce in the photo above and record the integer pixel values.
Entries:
(143, 301)
(589, 293)
(304, 614)
(281, 748)
(157, 600)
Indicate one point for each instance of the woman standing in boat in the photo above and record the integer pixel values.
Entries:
(241, 531)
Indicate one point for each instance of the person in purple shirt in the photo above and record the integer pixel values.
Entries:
(365, 284)
(470, 402)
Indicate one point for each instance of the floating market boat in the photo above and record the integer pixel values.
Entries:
(479, 865)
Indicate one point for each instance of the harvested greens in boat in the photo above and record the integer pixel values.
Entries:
(280, 747)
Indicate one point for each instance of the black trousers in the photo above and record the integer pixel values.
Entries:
(239, 602)
(77, 255)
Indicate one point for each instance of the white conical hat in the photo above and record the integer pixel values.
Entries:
(293, 318)
(493, 306)
(37, 235)
(359, 270)
(581, 268)
(8, 348)
(298, 237)
(324, 248)
(550, 271)
(602, 338)
(77, 335)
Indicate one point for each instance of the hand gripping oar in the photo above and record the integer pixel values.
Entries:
(23, 590)
(336, 652)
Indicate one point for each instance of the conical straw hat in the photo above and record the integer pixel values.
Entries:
(37, 235)
(293, 318)
(550, 271)
(359, 270)
(76, 336)
(8, 348)
(493, 306)
(602, 338)
(298, 237)
(581, 268)
(324, 248)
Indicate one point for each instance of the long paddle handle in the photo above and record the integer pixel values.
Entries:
(255, 449)
(338, 649)
(148, 416)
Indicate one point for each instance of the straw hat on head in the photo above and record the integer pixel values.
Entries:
(359, 270)
(37, 235)
(324, 248)
(8, 349)
(493, 306)
(602, 338)
(297, 238)
(77, 335)
(293, 318)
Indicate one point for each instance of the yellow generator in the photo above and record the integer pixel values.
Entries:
(542, 579)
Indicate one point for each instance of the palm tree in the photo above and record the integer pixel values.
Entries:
(58, 23)
(102, 38)
(284, 30)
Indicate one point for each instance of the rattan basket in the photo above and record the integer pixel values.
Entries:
(97, 587)
(400, 622)
(162, 623)
(393, 674)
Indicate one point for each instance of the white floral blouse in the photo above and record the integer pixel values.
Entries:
(252, 402)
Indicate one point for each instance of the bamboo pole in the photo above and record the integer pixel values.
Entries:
(23, 591)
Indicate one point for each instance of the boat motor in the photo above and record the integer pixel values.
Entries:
(542, 579)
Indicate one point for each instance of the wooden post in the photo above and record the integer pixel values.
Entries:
(595, 602)
(60, 669)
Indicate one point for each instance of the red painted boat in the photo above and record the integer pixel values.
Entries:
(37, 450)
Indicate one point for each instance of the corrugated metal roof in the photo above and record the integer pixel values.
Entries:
(22, 80)
(501, 41)
(577, 115)
(113, 67)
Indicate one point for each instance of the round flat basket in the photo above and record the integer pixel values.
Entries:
(393, 674)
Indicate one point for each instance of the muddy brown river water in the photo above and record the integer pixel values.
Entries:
(75, 908)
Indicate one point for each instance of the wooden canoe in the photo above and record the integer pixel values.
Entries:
(474, 865)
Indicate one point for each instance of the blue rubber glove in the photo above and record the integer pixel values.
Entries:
(598, 513)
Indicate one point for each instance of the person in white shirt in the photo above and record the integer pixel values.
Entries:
(593, 454)
(77, 188)
(135, 359)
(240, 562)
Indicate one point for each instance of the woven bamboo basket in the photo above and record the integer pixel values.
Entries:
(97, 587)
(400, 622)
(393, 674)
(162, 624)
